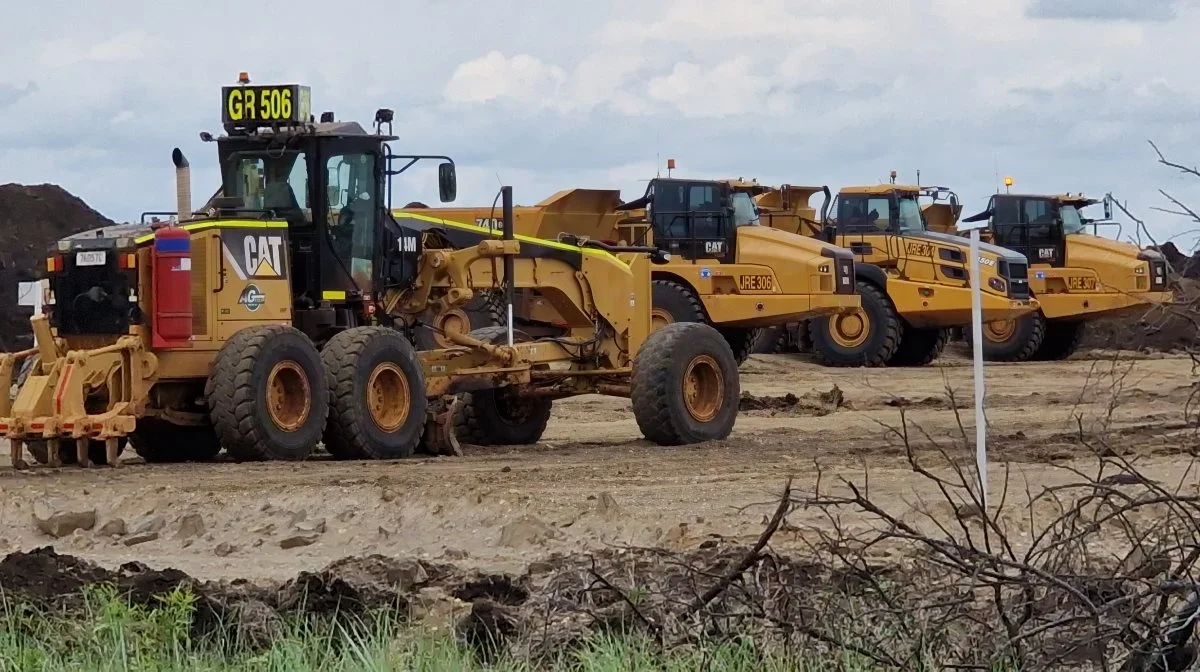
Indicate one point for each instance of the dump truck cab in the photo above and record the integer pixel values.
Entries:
(725, 269)
(914, 281)
(1076, 274)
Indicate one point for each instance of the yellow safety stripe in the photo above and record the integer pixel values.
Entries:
(219, 224)
(483, 229)
(333, 295)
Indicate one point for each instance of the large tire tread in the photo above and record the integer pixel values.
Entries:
(1014, 352)
(656, 392)
(1062, 340)
(478, 419)
(232, 396)
(885, 319)
(348, 432)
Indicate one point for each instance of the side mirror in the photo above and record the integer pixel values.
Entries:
(1108, 206)
(447, 182)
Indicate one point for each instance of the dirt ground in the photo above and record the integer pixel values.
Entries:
(593, 482)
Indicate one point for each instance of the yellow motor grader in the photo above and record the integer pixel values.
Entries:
(274, 318)
(1076, 276)
(725, 269)
(913, 279)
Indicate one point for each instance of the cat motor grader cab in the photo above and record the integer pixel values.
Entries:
(913, 280)
(274, 318)
(725, 269)
(1076, 276)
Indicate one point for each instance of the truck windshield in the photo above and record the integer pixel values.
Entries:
(910, 215)
(744, 212)
(1072, 222)
(267, 180)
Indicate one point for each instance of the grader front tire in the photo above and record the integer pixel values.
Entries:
(377, 396)
(268, 394)
(685, 386)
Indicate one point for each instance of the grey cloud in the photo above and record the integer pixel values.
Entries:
(10, 94)
(1104, 10)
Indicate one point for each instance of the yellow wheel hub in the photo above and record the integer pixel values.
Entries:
(388, 396)
(999, 332)
(850, 330)
(659, 318)
(289, 397)
(703, 388)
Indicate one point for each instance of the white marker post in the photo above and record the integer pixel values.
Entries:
(977, 352)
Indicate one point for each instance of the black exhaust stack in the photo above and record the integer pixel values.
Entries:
(506, 198)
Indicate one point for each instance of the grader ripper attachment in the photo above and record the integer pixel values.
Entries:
(725, 269)
(1077, 276)
(913, 281)
(280, 316)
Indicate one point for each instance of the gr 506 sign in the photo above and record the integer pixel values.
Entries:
(249, 105)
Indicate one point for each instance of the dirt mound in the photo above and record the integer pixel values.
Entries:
(1165, 329)
(32, 218)
(812, 403)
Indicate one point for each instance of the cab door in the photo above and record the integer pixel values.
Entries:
(865, 225)
(693, 220)
(1029, 225)
(347, 213)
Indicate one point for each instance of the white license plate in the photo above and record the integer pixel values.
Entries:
(90, 258)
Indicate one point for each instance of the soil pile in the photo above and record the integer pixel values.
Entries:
(1164, 329)
(32, 218)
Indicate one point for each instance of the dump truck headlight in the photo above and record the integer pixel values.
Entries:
(823, 268)
(998, 284)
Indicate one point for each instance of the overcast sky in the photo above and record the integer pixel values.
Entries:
(1060, 94)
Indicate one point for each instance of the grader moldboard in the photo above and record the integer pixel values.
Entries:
(913, 280)
(265, 326)
(1077, 276)
(725, 269)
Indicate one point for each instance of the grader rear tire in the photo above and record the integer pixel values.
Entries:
(268, 394)
(159, 441)
(377, 396)
(685, 386)
(497, 416)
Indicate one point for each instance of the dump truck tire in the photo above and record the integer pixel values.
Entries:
(377, 399)
(67, 454)
(675, 302)
(741, 341)
(875, 342)
(159, 441)
(1020, 343)
(1061, 341)
(919, 347)
(685, 386)
(771, 341)
(268, 394)
(485, 309)
(497, 417)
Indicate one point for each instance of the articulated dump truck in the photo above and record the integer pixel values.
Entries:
(725, 269)
(913, 278)
(1076, 275)
(279, 316)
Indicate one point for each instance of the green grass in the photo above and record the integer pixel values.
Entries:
(108, 634)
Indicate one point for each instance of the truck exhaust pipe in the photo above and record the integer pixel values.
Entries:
(183, 184)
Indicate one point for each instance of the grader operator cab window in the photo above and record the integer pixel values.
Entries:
(276, 182)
